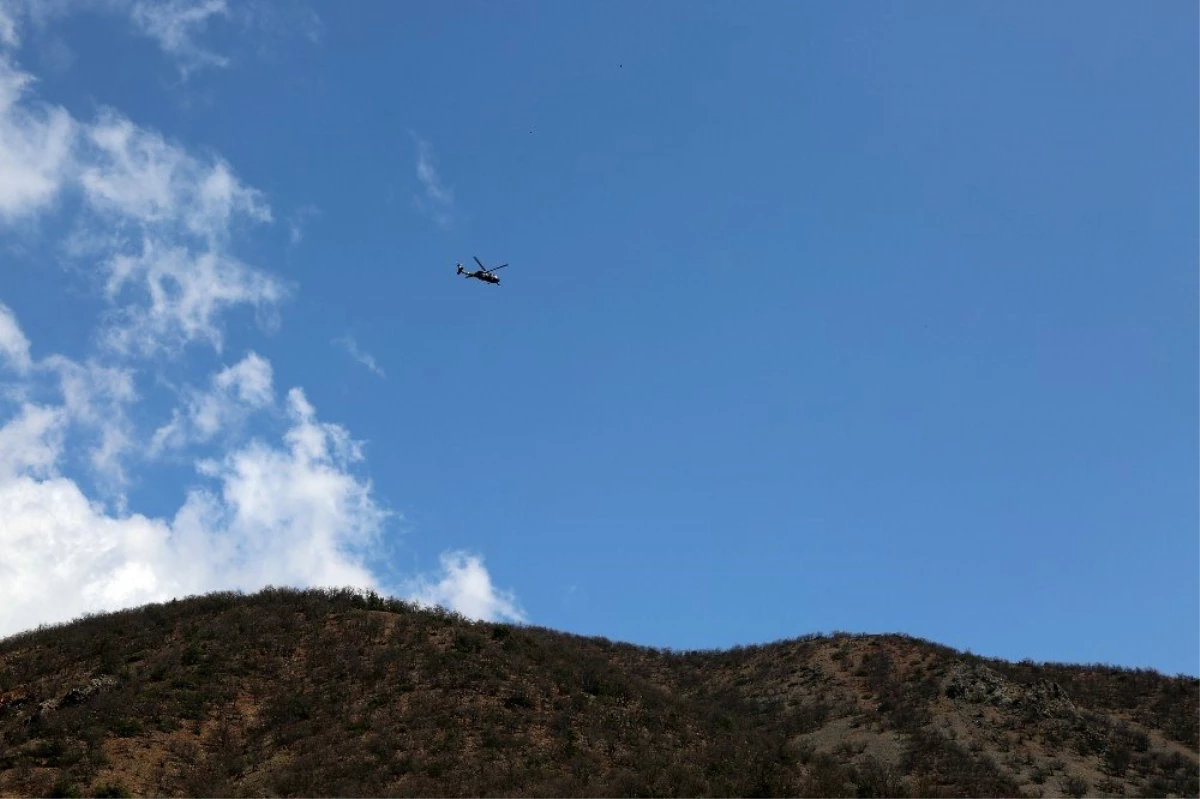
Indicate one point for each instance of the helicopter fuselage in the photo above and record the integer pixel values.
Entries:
(481, 274)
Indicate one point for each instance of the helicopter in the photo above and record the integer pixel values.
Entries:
(482, 273)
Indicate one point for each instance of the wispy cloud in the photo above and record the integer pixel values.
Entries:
(158, 221)
(235, 392)
(436, 201)
(427, 174)
(366, 359)
(179, 27)
(8, 27)
(36, 142)
(13, 344)
(297, 221)
(182, 212)
(96, 399)
(284, 19)
(55, 55)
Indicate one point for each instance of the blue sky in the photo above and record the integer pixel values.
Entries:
(879, 318)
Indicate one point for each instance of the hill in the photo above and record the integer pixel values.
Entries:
(341, 693)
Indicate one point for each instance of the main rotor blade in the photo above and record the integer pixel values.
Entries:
(481, 266)
(501, 266)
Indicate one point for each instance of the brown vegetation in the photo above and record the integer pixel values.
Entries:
(340, 693)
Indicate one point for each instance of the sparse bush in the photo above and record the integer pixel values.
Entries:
(1073, 785)
(112, 790)
(64, 788)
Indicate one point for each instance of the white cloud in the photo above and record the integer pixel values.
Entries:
(292, 514)
(282, 515)
(64, 556)
(297, 512)
(249, 379)
(464, 585)
(32, 441)
(366, 359)
(236, 391)
(13, 344)
(35, 147)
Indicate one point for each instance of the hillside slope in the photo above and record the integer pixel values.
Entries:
(335, 693)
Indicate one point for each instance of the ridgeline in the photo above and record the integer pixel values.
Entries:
(344, 693)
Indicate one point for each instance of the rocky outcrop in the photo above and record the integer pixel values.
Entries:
(75, 696)
(13, 700)
(974, 683)
(82, 693)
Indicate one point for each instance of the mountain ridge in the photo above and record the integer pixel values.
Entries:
(344, 692)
